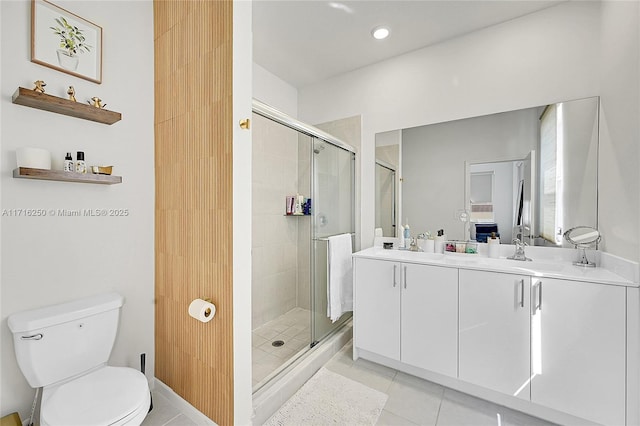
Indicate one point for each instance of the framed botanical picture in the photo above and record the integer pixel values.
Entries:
(65, 42)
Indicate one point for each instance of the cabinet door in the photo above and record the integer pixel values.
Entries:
(578, 349)
(494, 331)
(429, 319)
(376, 312)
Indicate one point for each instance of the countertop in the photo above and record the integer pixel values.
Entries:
(544, 267)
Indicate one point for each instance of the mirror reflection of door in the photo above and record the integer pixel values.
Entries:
(500, 193)
(492, 197)
(385, 206)
(388, 169)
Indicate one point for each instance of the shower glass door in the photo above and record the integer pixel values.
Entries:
(333, 195)
(281, 247)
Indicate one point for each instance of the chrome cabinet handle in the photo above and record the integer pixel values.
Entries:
(540, 297)
(38, 336)
(538, 305)
(522, 293)
(395, 267)
(405, 277)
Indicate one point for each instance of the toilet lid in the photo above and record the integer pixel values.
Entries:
(102, 397)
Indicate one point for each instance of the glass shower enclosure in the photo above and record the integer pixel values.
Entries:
(292, 160)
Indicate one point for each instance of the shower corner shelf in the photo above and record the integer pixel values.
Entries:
(296, 215)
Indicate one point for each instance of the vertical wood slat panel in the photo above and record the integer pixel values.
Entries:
(193, 137)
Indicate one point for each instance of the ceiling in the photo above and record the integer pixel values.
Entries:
(307, 41)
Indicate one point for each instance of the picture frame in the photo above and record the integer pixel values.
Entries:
(66, 42)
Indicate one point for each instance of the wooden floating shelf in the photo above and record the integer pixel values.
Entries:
(38, 100)
(61, 176)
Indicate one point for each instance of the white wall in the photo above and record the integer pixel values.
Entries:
(47, 260)
(618, 179)
(242, 92)
(274, 91)
(541, 58)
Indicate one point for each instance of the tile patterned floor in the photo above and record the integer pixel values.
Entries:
(412, 401)
(293, 328)
(165, 414)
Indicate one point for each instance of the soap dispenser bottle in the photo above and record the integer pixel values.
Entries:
(68, 163)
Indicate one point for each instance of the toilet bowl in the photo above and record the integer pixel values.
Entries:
(106, 396)
(64, 349)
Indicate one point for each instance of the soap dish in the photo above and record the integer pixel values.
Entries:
(101, 170)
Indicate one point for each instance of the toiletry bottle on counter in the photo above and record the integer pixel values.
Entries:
(439, 241)
(407, 234)
(68, 163)
(81, 166)
(494, 246)
(401, 237)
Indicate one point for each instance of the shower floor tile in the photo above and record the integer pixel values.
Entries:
(293, 328)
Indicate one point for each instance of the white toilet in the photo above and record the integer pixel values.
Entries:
(64, 349)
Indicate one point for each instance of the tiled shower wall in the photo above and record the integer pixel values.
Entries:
(280, 244)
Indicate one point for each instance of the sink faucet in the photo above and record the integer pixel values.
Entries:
(519, 253)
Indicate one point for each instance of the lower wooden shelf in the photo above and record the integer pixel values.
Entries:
(61, 176)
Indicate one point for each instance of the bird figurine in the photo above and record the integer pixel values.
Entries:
(97, 102)
(72, 94)
(39, 86)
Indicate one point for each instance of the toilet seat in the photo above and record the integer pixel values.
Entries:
(110, 396)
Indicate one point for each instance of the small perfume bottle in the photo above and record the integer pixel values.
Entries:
(68, 163)
(81, 166)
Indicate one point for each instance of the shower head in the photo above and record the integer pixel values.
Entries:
(316, 150)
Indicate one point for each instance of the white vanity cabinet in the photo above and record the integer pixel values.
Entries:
(428, 323)
(548, 338)
(578, 348)
(376, 310)
(407, 312)
(494, 331)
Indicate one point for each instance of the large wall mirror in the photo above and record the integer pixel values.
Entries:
(528, 174)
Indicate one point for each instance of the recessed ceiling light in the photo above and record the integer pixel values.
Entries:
(380, 33)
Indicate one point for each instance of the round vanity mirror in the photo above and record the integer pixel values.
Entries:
(583, 237)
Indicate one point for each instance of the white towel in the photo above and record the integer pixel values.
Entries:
(339, 277)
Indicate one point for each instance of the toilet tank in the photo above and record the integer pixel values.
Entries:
(61, 341)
